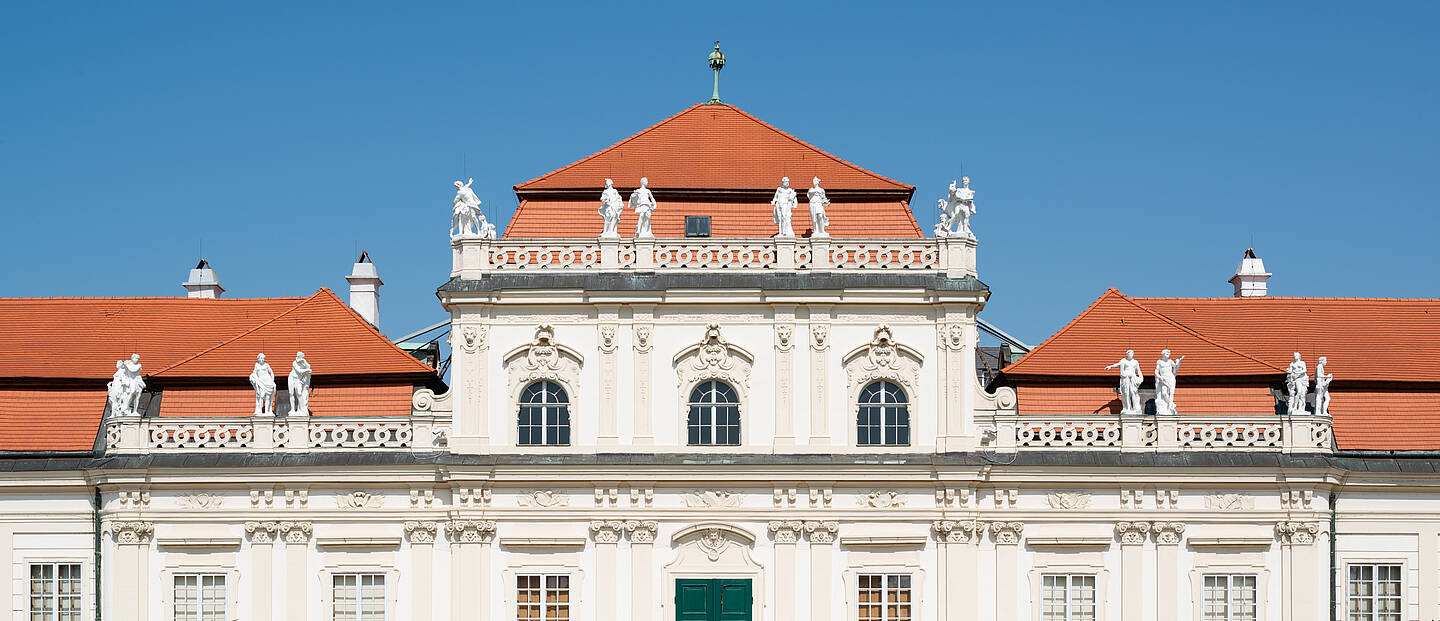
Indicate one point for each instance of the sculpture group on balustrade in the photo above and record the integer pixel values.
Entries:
(1297, 384)
(955, 211)
(467, 221)
(123, 391)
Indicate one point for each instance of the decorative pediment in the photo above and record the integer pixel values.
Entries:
(883, 358)
(713, 358)
(544, 359)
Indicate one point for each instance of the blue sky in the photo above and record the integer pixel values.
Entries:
(1132, 146)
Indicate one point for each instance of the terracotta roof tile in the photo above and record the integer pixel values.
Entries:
(1386, 421)
(50, 419)
(1070, 400)
(575, 218)
(335, 400)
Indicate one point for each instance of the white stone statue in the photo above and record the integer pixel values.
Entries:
(956, 211)
(1130, 378)
(785, 203)
(125, 387)
(1322, 388)
(467, 220)
(262, 378)
(643, 202)
(818, 202)
(611, 206)
(1165, 370)
(299, 385)
(1297, 382)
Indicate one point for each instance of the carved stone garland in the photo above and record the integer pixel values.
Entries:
(883, 359)
(713, 358)
(544, 359)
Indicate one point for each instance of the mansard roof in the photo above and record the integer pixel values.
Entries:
(712, 160)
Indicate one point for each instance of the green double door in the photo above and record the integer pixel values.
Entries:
(725, 599)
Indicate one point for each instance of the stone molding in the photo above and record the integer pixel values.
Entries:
(1168, 533)
(542, 498)
(1297, 533)
(421, 531)
(883, 359)
(713, 358)
(1068, 500)
(786, 531)
(957, 531)
(881, 499)
(1132, 533)
(199, 500)
(262, 532)
(1230, 502)
(470, 531)
(133, 532)
(1006, 533)
(359, 500)
(542, 359)
(719, 499)
(821, 532)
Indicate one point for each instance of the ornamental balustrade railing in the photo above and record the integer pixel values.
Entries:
(1289, 434)
(475, 257)
(418, 433)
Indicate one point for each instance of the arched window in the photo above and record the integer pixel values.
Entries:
(714, 415)
(884, 415)
(544, 415)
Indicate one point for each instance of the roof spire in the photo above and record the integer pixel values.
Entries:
(717, 62)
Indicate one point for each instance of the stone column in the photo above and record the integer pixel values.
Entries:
(1167, 568)
(1007, 581)
(956, 542)
(643, 432)
(422, 565)
(1132, 546)
(786, 534)
(129, 571)
(262, 564)
(955, 337)
(297, 574)
(470, 342)
(1297, 547)
(642, 559)
(822, 571)
(470, 577)
(784, 375)
(609, 346)
(819, 375)
(607, 539)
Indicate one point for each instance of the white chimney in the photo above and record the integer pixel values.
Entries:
(1250, 277)
(203, 283)
(365, 289)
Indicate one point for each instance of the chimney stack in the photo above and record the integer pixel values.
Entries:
(1250, 277)
(203, 283)
(365, 289)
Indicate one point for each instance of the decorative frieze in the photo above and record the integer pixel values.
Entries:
(1006, 498)
(607, 496)
(1167, 498)
(957, 531)
(642, 531)
(607, 531)
(359, 500)
(1297, 533)
(542, 498)
(200, 500)
(1132, 533)
(134, 499)
(1068, 500)
(132, 532)
(784, 497)
(296, 532)
(1167, 533)
(421, 531)
(262, 532)
(717, 499)
(1230, 502)
(422, 498)
(1132, 498)
(262, 498)
(786, 531)
(821, 497)
(881, 499)
(1006, 533)
(470, 531)
(297, 498)
(1297, 499)
(821, 531)
(473, 496)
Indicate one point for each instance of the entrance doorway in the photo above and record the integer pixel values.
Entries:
(723, 599)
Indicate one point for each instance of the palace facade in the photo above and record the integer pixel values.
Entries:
(719, 423)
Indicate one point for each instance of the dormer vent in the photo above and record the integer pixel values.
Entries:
(1250, 276)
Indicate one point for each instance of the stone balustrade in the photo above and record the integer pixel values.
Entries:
(1290, 434)
(475, 257)
(419, 433)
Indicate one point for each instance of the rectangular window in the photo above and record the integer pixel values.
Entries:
(55, 591)
(1230, 598)
(884, 597)
(200, 597)
(1067, 597)
(545, 597)
(1373, 592)
(358, 597)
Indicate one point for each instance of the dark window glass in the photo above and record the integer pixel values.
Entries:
(544, 415)
(714, 415)
(884, 416)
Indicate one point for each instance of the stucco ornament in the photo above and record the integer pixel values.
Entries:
(607, 339)
(1293, 533)
(643, 202)
(785, 204)
(125, 387)
(1297, 383)
(544, 359)
(818, 202)
(200, 500)
(956, 531)
(473, 338)
(542, 498)
(1130, 378)
(881, 499)
(421, 531)
(955, 211)
(819, 336)
(1132, 533)
(1230, 502)
(883, 358)
(1006, 533)
(713, 543)
(713, 358)
(132, 532)
(1068, 500)
(611, 206)
(262, 379)
(784, 337)
(358, 500)
(470, 531)
(1165, 370)
(1322, 388)
(1168, 533)
(713, 499)
(642, 339)
(821, 531)
(299, 385)
(467, 221)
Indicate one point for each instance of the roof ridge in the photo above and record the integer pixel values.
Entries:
(1063, 329)
(822, 151)
(168, 298)
(1290, 298)
(240, 335)
(1196, 333)
(373, 330)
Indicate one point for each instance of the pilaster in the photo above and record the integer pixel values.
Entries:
(819, 375)
(642, 556)
(1006, 536)
(297, 575)
(262, 565)
(785, 533)
(606, 534)
(1132, 545)
(1167, 567)
(469, 567)
(958, 556)
(643, 431)
(784, 375)
(421, 535)
(1297, 558)
(470, 347)
(822, 548)
(609, 346)
(130, 570)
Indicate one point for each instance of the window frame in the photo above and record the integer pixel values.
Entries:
(566, 408)
(225, 607)
(385, 598)
(544, 589)
(691, 406)
(84, 610)
(1070, 597)
(1399, 597)
(1230, 603)
(881, 426)
(885, 590)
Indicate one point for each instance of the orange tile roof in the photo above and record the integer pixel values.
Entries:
(714, 160)
(57, 419)
(331, 400)
(1080, 400)
(1386, 421)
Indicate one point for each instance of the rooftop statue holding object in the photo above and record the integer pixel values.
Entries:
(785, 203)
(818, 202)
(643, 202)
(262, 379)
(955, 211)
(467, 221)
(299, 385)
(125, 387)
(1297, 381)
(1130, 379)
(611, 206)
(1165, 370)
(1322, 388)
